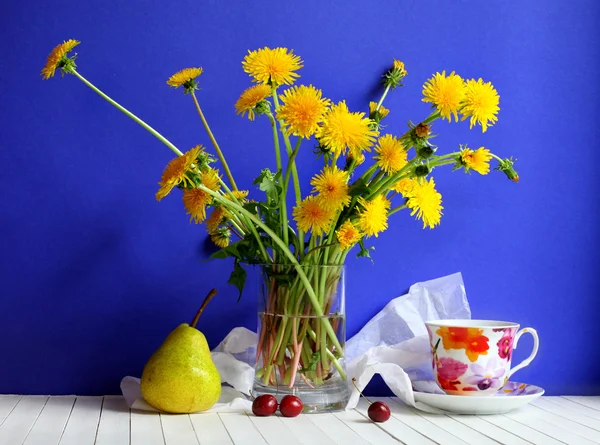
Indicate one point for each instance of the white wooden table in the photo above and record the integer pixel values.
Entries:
(70, 420)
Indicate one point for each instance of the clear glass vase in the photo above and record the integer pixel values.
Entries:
(301, 335)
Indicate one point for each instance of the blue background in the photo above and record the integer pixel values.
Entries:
(95, 273)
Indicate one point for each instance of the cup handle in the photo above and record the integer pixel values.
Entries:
(528, 360)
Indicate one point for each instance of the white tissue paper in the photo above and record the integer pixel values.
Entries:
(393, 344)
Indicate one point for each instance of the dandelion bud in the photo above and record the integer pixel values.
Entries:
(263, 107)
(422, 130)
(506, 166)
(393, 77)
(426, 151)
(421, 170)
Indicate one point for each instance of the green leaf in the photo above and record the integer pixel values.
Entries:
(267, 182)
(312, 366)
(252, 207)
(359, 188)
(229, 251)
(238, 278)
(365, 252)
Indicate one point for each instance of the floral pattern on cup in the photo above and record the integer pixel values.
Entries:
(473, 357)
(449, 371)
(486, 377)
(505, 344)
(471, 340)
(518, 389)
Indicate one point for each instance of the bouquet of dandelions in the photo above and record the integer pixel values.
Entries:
(301, 325)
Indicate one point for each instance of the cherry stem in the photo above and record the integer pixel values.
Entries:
(207, 299)
(359, 391)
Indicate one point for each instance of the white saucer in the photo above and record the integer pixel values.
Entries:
(512, 396)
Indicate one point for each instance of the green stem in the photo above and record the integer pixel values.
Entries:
(159, 136)
(330, 355)
(283, 218)
(297, 190)
(396, 209)
(276, 143)
(433, 116)
(235, 201)
(385, 92)
(285, 249)
(288, 147)
(291, 165)
(214, 142)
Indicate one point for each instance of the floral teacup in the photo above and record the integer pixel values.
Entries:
(472, 357)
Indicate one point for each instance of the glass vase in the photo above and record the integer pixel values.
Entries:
(301, 335)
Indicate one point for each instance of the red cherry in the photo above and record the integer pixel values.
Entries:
(264, 405)
(379, 412)
(290, 406)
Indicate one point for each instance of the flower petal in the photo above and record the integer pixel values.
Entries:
(478, 369)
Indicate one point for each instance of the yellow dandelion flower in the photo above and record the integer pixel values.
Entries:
(399, 66)
(481, 103)
(57, 56)
(358, 158)
(240, 195)
(250, 98)
(215, 219)
(272, 66)
(332, 188)
(373, 217)
(302, 110)
(391, 155)
(383, 112)
(195, 200)
(404, 186)
(348, 235)
(310, 214)
(185, 77)
(426, 202)
(478, 160)
(176, 172)
(221, 237)
(343, 130)
(210, 179)
(446, 93)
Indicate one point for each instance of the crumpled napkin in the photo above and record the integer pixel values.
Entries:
(393, 344)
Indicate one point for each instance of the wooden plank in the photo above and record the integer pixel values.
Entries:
(241, 429)
(114, 422)
(372, 432)
(337, 430)
(306, 431)
(395, 427)
(589, 401)
(83, 424)
(17, 425)
(51, 423)
(7, 404)
(210, 430)
(146, 428)
(523, 431)
(178, 429)
(566, 424)
(490, 430)
(273, 430)
(577, 407)
(457, 429)
(524, 416)
(544, 404)
(406, 416)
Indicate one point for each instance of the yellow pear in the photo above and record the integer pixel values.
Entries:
(181, 377)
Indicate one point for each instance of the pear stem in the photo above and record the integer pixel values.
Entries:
(207, 299)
